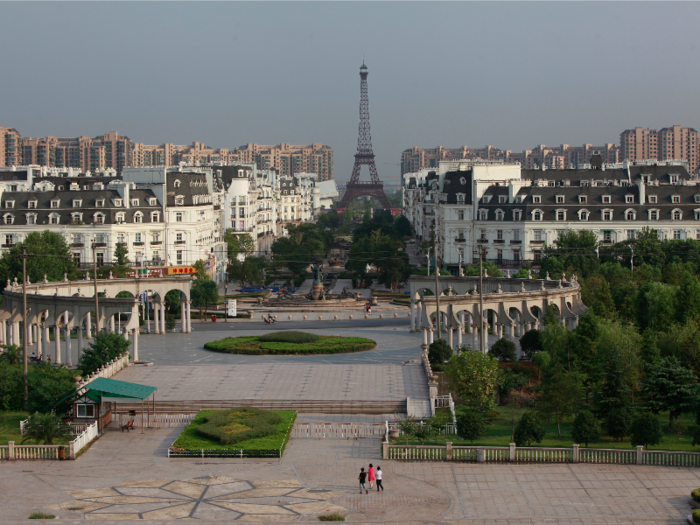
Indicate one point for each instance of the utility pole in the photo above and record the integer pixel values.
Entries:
(437, 282)
(97, 306)
(481, 297)
(428, 256)
(225, 297)
(24, 327)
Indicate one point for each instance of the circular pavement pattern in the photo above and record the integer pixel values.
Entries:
(224, 498)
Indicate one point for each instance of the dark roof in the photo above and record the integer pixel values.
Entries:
(188, 185)
(458, 182)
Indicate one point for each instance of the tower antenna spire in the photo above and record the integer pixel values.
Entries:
(364, 155)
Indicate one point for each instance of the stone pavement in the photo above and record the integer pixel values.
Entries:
(128, 476)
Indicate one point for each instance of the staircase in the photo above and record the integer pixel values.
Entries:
(419, 408)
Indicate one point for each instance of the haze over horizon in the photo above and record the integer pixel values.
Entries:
(512, 75)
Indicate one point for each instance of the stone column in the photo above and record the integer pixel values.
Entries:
(459, 336)
(135, 352)
(69, 356)
(419, 316)
(413, 313)
(111, 324)
(183, 317)
(57, 344)
(39, 347)
(156, 318)
(499, 331)
(461, 320)
(15, 334)
(3, 333)
(425, 339)
(88, 326)
(47, 339)
(450, 338)
(162, 317)
(431, 338)
(475, 332)
(79, 330)
(189, 317)
(30, 334)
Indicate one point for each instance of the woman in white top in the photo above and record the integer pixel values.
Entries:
(378, 478)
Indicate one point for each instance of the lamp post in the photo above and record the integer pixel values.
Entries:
(24, 329)
(437, 283)
(97, 311)
(481, 296)
(225, 297)
(427, 256)
(459, 273)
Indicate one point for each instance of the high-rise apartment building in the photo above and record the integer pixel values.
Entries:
(10, 147)
(674, 143)
(289, 159)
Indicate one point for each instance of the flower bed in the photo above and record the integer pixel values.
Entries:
(225, 433)
(286, 343)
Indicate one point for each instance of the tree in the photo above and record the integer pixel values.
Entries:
(407, 425)
(104, 348)
(403, 227)
(560, 393)
(203, 293)
(645, 430)
(470, 425)
(595, 293)
(246, 272)
(656, 305)
(529, 430)
(649, 352)
(242, 244)
(586, 428)
(45, 428)
(551, 315)
(531, 342)
(121, 253)
(47, 254)
(614, 399)
(575, 250)
(542, 360)
(11, 354)
(688, 299)
(439, 352)
(200, 271)
(474, 377)
(503, 350)
(670, 386)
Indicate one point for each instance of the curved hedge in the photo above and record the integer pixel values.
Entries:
(262, 345)
(696, 495)
(238, 424)
(289, 337)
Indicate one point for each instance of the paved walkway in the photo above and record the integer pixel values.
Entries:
(128, 476)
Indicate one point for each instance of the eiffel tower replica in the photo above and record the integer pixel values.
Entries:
(364, 156)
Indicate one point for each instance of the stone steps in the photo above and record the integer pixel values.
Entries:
(310, 406)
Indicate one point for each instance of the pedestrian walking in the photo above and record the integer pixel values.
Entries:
(370, 475)
(363, 478)
(378, 475)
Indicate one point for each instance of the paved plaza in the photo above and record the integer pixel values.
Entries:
(127, 476)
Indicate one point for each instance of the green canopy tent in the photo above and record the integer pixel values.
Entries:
(103, 390)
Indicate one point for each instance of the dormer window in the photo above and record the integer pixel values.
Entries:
(54, 218)
(583, 199)
(135, 203)
(606, 199)
(76, 217)
(55, 203)
(560, 199)
(138, 217)
(561, 215)
(518, 199)
(501, 199)
(677, 215)
(653, 215)
(9, 218)
(9, 204)
(697, 214)
(537, 215)
(630, 215)
(118, 202)
(155, 216)
(646, 179)
(100, 203)
(500, 215)
(583, 215)
(177, 183)
(483, 215)
(152, 201)
(652, 199)
(32, 204)
(673, 178)
(77, 203)
(629, 199)
(607, 215)
(536, 199)
(31, 218)
(460, 198)
(676, 199)
(99, 218)
(486, 199)
(179, 200)
(121, 217)
(697, 199)
(517, 215)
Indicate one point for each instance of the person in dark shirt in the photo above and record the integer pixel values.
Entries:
(363, 478)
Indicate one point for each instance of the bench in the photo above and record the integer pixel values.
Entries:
(128, 426)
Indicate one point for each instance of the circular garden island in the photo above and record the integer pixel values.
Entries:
(290, 343)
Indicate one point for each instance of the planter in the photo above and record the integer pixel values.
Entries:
(393, 434)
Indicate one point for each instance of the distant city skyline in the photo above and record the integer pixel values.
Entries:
(513, 75)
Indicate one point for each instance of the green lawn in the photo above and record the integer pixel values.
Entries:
(190, 440)
(498, 433)
(9, 429)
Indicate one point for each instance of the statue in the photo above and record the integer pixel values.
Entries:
(110, 274)
(45, 279)
(9, 285)
(318, 274)
(529, 274)
(522, 286)
(499, 288)
(547, 276)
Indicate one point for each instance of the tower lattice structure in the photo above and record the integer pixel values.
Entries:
(364, 156)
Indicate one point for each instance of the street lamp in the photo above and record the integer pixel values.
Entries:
(427, 256)
(459, 273)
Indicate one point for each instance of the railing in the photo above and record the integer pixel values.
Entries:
(76, 427)
(338, 430)
(83, 439)
(27, 452)
(107, 371)
(514, 454)
(157, 420)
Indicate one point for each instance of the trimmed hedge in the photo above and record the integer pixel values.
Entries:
(696, 495)
(289, 337)
(239, 424)
(256, 345)
(696, 516)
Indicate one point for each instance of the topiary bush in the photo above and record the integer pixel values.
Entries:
(529, 430)
(696, 495)
(254, 345)
(696, 516)
(439, 352)
(289, 337)
(239, 424)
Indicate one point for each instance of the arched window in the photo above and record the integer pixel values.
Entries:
(177, 183)
(138, 217)
(483, 215)
(537, 215)
(630, 215)
(677, 215)
(155, 216)
(583, 215)
(121, 217)
(9, 218)
(99, 218)
(54, 218)
(76, 217)
(653, 215)
(500, 215)
(560, 214)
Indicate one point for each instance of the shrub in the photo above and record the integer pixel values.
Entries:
(41, 516)
(439, 352)
(696, 495)
(529, 430)
(334, 516)
(46, 428)
(470, 425)
(252, 345)
(696, 437)
(586, 428)
(617, 422)
(645, 430)
(105, 347)
(289, 337)
(531, 342)
(503, 350)
(696, 515)
(239, 424)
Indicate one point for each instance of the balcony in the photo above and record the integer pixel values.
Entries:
(180, 242)
(10, 245)
(536, 242)
(482, 241)
(156, 243)
(139, 243)
(606, 241)
(77, 244)
(516, 242)
(460, 240)
(99, 244)
(499, 241)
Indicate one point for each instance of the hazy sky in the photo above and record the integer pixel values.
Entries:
(508, 74)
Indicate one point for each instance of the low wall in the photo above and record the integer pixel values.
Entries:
(25, 452)
(330, 315)
(513, 454)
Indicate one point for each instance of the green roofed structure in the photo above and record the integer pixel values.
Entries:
(99, 396)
